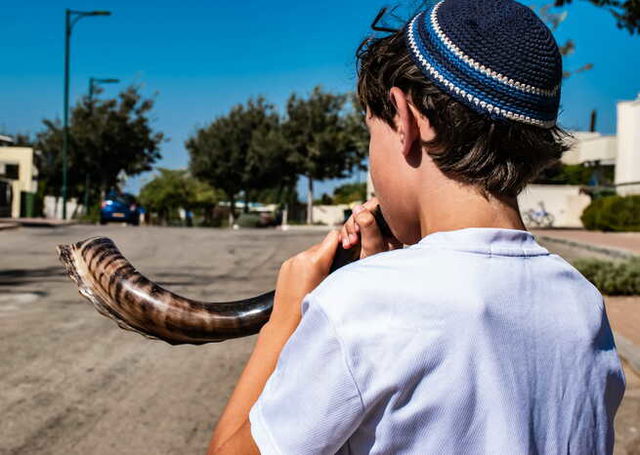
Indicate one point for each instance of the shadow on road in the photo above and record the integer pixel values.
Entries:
(19, 277)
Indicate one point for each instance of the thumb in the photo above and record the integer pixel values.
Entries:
(326, 250)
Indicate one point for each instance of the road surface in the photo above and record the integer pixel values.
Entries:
(71, 382)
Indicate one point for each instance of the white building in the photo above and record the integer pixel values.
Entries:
(627, 171)
(18, 179)
(622, 152)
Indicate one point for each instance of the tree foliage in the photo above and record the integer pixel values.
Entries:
(172, 189)
(106, 138)
(626, 13)
(243, 151)
(326, 140)
(575, 174)
(19, 139)
(350, 192)
(251, 150)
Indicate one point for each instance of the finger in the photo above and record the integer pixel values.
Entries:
(344, 237)
(371, 204)
(357, 209)
(352, 226)
(351, 234)
(370, 236)
(326, 250)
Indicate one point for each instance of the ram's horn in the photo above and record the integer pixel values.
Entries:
(117, 290)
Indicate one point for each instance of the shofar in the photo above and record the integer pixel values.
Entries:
(117, 290)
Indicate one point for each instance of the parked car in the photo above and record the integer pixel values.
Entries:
(120, 207)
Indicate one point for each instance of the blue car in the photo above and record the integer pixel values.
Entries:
(120, 207)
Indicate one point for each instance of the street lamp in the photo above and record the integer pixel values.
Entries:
(71, 18)
(93, 81)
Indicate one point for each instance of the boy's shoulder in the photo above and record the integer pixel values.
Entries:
(375, 282)
(446, 283)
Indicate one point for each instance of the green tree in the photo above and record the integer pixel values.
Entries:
(172, 189)
(626, 12)
(19, 139)
(350, 192)
(242, 151)
(107, 137)
(324, 140)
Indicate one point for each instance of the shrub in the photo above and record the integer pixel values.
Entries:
(613, 213)
(249, 220)
(612, 278)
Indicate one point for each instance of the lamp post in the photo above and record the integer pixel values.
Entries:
(70, 19)
(93, 81)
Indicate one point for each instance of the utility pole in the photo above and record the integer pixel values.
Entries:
(70, 19)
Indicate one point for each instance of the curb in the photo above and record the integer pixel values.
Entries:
(615, 253)
(37, 222)
(7, 226)
(629, 351)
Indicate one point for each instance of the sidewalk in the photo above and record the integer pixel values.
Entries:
(36, 222)
(622, 242)
(624, 316)
(8, 225)
(623, 311)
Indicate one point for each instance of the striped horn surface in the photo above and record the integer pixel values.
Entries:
(117, 290)
(120, 292)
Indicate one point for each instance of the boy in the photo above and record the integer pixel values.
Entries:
(474, 339)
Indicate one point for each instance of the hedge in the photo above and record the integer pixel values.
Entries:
(611, 278)
(249, 220)
(613, 213)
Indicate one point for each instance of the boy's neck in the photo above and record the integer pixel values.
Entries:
(460, 207)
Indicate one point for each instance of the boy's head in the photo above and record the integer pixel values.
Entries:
(475, 84)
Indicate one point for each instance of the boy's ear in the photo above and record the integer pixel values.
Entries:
(405, 120)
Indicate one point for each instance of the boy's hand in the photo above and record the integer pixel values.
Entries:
(299, 275)
(361, 228)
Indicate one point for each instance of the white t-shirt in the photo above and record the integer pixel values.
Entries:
(474, 341)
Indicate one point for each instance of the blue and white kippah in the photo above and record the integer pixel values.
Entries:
(494, 56)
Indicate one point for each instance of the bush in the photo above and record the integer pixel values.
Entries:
(612, 278)
(613, 213)
(249, 220)
(93, 216)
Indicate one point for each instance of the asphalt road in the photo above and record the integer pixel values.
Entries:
(72, 382)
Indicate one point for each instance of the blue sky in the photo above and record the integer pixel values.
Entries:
(200, 58)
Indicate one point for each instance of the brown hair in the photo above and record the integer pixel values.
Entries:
(498, 157)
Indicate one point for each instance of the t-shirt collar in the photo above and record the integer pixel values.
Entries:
(492, 241)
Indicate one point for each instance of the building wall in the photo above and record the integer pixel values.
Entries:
(329, 214)
(52, 207)
(27, 174)
(564, 202)
(588, 147)
(628, 160)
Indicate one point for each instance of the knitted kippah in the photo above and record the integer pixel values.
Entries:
(494, 56)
